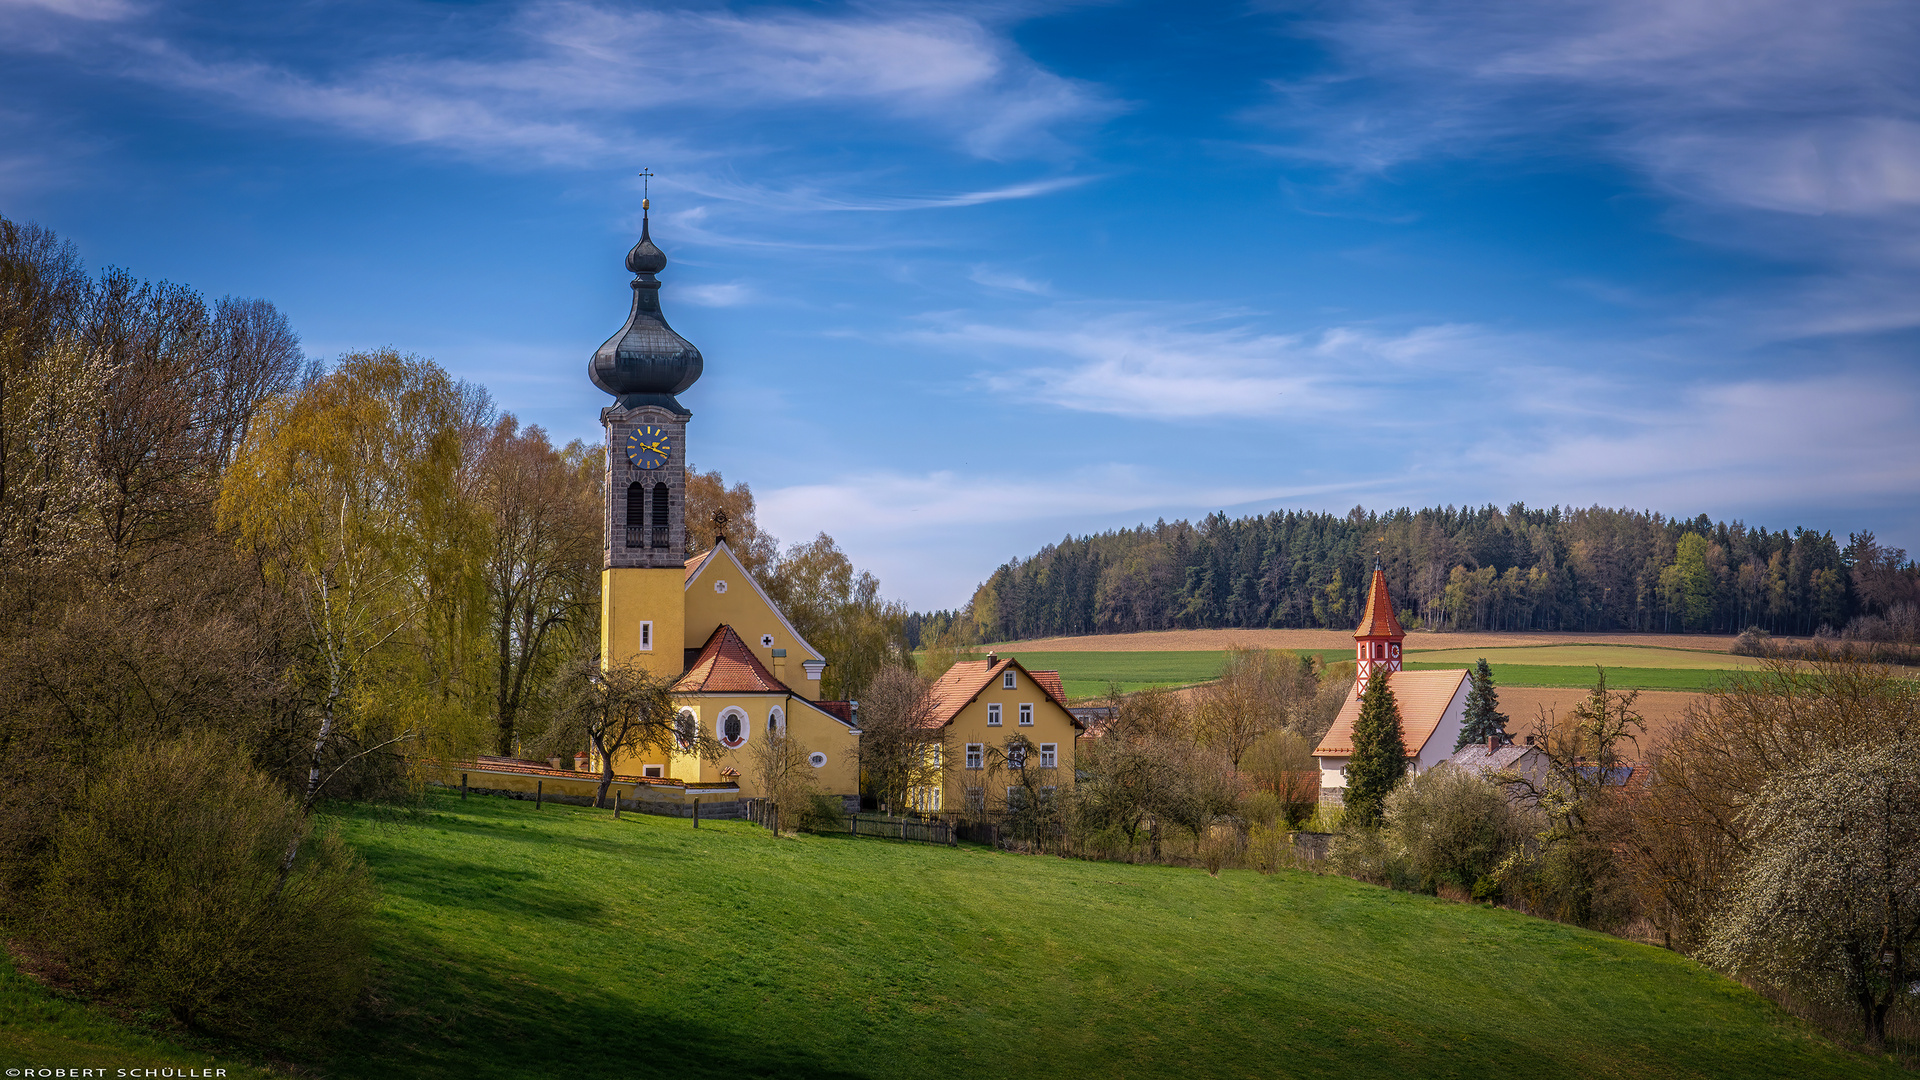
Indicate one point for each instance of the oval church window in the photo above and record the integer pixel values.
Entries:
(733, 728)
(817, 759)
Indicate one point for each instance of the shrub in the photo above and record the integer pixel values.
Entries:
(1452, 828)
(164, 889)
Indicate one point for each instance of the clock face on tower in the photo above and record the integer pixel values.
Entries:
(648, 447)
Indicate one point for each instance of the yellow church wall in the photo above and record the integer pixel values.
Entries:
(812, 729)
(629, 597)
(742, 607)
(1051, 724)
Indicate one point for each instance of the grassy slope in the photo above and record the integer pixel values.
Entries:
(38, 1030)
(1086, 674)
(562, 943)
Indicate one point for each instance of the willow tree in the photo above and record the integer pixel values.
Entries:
(353, 495)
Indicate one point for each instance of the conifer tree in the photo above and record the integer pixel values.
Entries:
(1484, 720)
(1379, 759)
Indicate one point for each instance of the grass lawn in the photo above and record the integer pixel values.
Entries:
(40, 1031)
(559, 942)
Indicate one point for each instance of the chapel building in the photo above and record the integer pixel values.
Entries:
(1433, 704)
(739, 668)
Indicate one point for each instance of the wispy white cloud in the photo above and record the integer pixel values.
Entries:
(1168, 362)
(1006, 279)
(724, 294)
(570, 82)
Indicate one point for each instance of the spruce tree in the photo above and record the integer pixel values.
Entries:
(1484, 720)
(1379, 760)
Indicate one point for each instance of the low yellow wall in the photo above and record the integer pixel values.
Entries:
(646, 796)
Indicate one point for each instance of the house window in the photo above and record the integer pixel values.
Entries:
(1049, 755)
(1008, 681)
(976, 755)
(817, 759)
(993, 716)
(1046, 793)
(1016, 757)
(935, 756)
(654, 771)
(646, 635)
(683, 727)
(1026, 716)
(976, 798)
(1016, 796)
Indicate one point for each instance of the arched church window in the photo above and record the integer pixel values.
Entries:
(636, 506)
(733, 728)
(660, 513)
(683, 728)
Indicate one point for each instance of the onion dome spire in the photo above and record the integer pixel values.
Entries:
(646, 363)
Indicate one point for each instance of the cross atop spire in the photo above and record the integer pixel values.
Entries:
(646, 189)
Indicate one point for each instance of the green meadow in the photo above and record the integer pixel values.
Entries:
(516, 942)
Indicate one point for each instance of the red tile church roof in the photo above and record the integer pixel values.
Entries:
(1379, 620)
(727, 666)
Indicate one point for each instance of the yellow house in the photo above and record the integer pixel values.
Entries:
(1009, 736)
(739, 669)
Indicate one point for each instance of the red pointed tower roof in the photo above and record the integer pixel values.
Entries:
(1379, 620)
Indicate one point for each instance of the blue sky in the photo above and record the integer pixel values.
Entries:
(969, 277)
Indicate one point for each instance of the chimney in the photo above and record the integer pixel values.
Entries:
(993, 658)
(1493, 743)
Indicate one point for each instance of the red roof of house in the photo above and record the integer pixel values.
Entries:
(964, 681)
(1423, 697)
(1378, 620)
(727, 666)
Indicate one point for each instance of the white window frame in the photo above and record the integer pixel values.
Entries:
(975, 798)
(720, 727)
(653, 772)
(993, 714)
(1026, 714)
(1016, 757)
(1008, 680)
(646, 635)
(1016, 796)
(976, 755)
(1049, 755)
(776, 721)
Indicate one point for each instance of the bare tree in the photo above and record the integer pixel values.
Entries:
(901, 749)
(622, 710)
(1259, 691)
(543, 542)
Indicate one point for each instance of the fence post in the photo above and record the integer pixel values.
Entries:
(616, 804)
(463, 785)
(856, 823)
(696, 813)
(539, 789)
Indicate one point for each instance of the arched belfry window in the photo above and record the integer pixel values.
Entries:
(660, 513)
(636, 506)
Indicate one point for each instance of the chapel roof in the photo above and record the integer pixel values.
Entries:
(1378, 620)
(694, 564)
(1423, 697)
(726, 666)
(965, 680)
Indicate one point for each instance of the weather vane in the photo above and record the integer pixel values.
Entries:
(646, 185)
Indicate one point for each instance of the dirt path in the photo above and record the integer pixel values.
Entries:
(1214, 640)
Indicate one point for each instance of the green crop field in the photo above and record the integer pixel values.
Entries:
(516, 942)
(1618, 678)
(1086, 674)
(1626, 656)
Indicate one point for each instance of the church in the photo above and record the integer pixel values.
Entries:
(1433, 704)
(739, 669)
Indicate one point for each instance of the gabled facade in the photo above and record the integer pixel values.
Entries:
(981, 705)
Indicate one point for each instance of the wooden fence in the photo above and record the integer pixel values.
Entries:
(766, 813)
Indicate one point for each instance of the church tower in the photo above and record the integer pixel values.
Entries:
(642, 611)
(1377, 641)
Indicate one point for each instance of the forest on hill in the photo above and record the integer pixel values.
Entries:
(1591, 569)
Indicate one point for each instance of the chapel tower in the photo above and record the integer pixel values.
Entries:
(644, 365)
(1377, 640)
